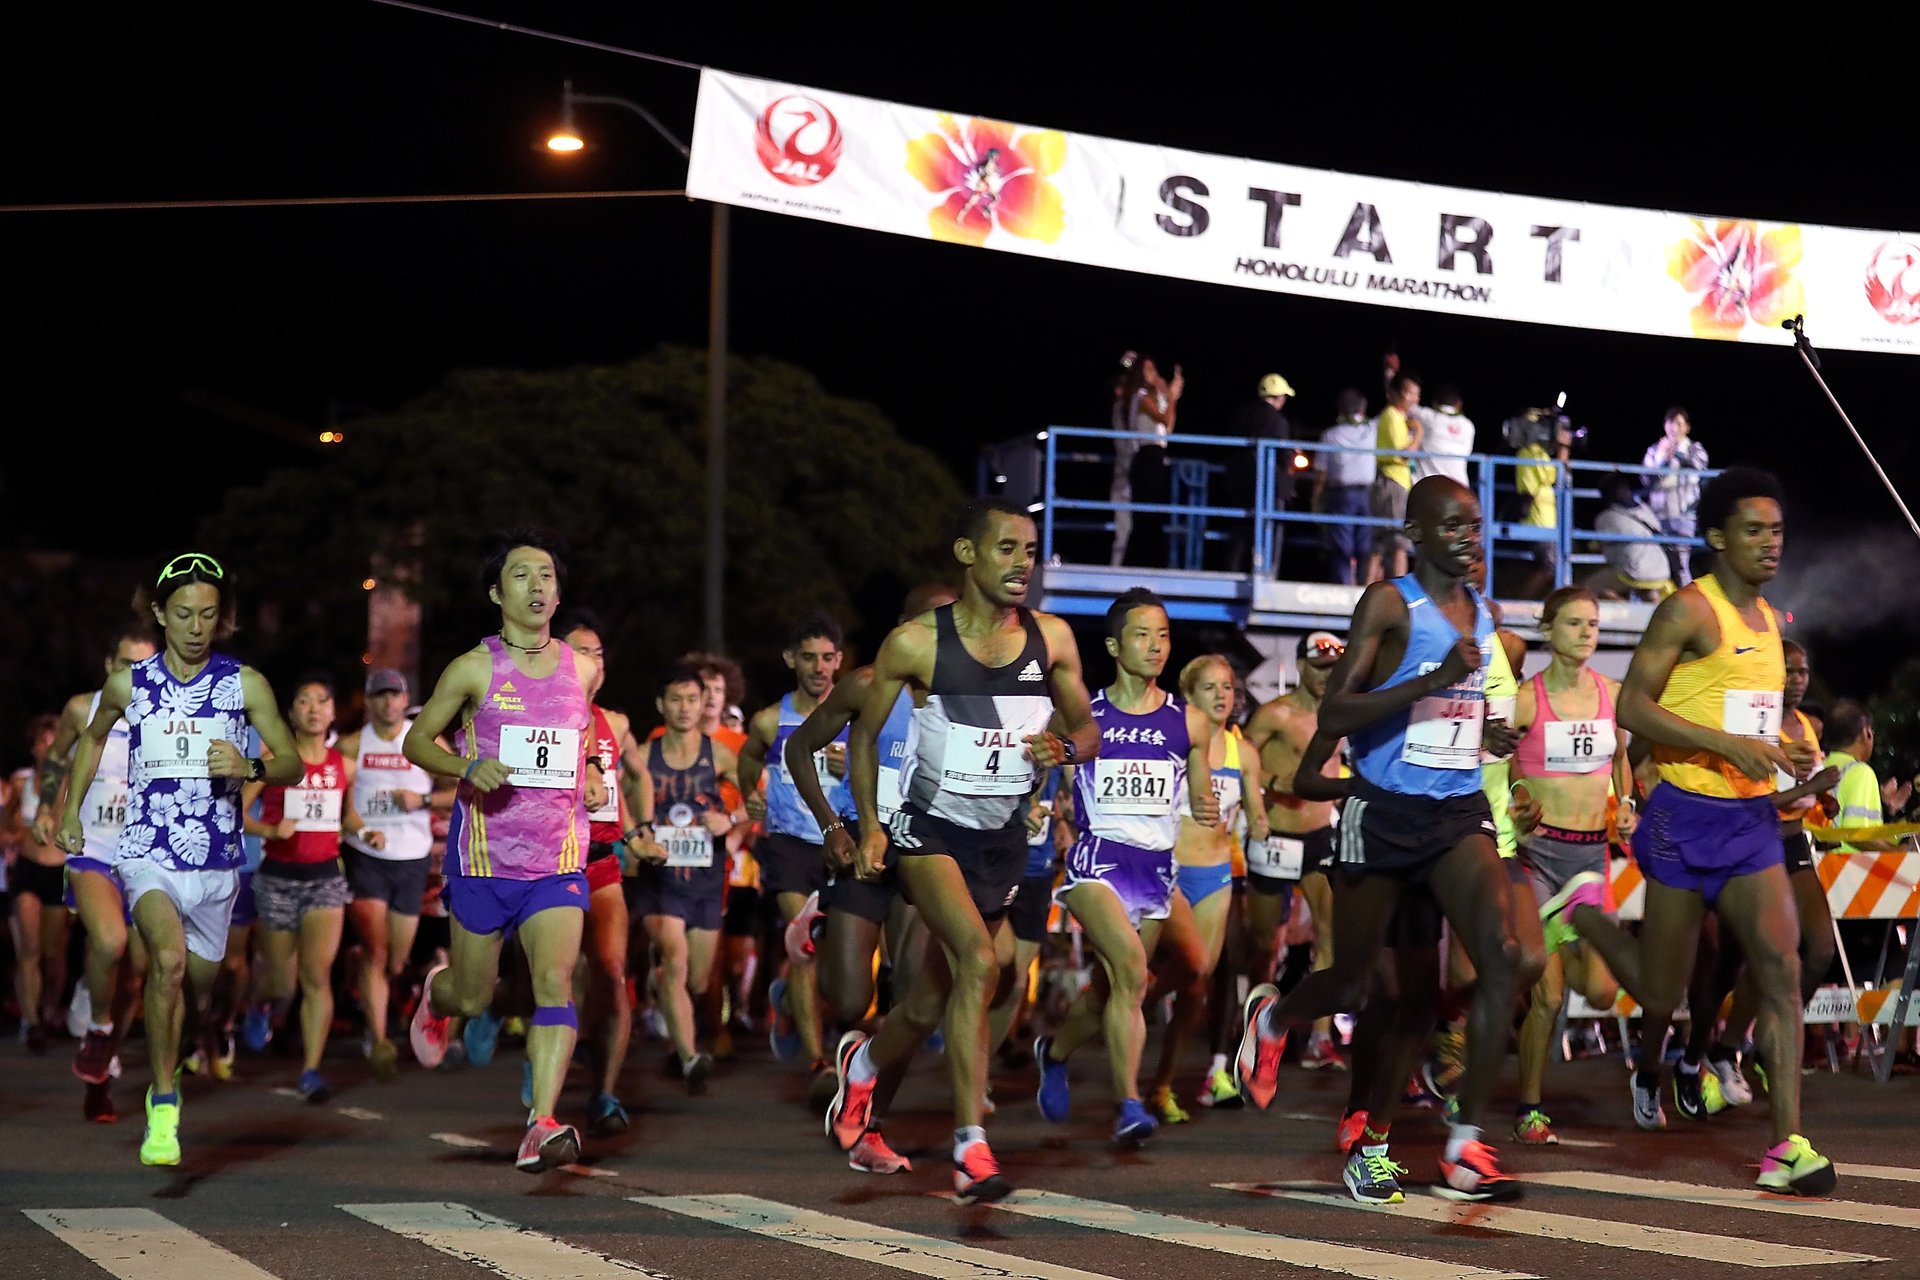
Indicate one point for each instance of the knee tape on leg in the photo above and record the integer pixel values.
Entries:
(556, 1015)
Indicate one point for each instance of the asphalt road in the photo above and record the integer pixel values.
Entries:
(415, 1178)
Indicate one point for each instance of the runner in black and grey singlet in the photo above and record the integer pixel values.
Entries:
(993, 673)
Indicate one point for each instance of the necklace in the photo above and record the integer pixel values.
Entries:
(525, 648)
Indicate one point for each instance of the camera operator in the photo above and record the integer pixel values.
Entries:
(1342, 484)
(1674, 494)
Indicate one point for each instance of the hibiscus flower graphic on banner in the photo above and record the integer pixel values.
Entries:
(1736, 274)
(986, 177)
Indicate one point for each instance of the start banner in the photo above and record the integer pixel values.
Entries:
(971, 180)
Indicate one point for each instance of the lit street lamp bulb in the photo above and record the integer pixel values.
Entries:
(565, 141)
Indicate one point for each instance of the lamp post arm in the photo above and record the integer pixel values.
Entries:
(608, 100)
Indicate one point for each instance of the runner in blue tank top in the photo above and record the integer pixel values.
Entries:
(993, 672)
(1408, 697)
(187, 711)
(857, 909)
(1120, 878)
(793, 865)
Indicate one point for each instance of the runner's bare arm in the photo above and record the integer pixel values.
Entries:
(753, 754)
(815, 733)
(1683, 623)
(263, 712)
(350, 820)
(1203, 803)
(462, 684)
(906, 656)
(1264, 723)
(1252, 780)
(1071, 701)
(53, 769)
(1310, 781)
(249, 824)
(1349, 705)
(114, 697)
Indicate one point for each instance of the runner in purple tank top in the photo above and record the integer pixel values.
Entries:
(518, 839)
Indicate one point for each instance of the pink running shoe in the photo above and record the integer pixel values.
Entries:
(799, 936)
(871, 1154)
(427, 1033)
(1257, 1067)
(850, 1114)
(548, 1145)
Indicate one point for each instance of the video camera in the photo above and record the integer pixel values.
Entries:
(1542, 427)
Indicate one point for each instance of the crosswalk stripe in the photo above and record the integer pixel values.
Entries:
(1241, 1242)
(1872, 1215)
(139, 1244)
(902, 1250)
(502, 1247)
(1732, 1250)
(1882, 1172)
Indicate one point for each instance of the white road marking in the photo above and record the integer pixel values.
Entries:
(139, 1244)
(358, 1113)
(1240, 1242)
(502, 1247)
(460, 1140)
(1315, 1117)
(1883, 1172)
(1752, 1198)
(846, 1238)
(1731, 1250)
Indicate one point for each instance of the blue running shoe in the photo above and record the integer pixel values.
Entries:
(526, 1083)
(313, 1087)
(481, 1036)
(783, 1033)
(606, 1118)
(256, 1029)
(1054, 1094)
(1133, 1125)
(937, 1042)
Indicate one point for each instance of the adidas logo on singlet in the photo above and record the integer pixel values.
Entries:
(507, 687)
(1031, 671)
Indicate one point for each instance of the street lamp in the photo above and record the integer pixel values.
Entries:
(566, 141)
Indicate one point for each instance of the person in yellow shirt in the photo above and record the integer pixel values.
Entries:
(1848, 739)
(1393, 477)
(1537, 480)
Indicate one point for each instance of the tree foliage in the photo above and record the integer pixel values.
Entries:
(827, 506)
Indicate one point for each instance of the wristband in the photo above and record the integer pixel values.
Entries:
(468, 775)
(1067, 749)
(837, 824)
(636, 832)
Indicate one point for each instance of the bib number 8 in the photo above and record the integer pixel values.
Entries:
(540, 758)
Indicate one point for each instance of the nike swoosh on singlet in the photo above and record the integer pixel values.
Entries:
(1749, 649)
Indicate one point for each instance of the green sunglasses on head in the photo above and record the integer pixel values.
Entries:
(187, 562)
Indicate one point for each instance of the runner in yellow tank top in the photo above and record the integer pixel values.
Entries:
(1705, 689)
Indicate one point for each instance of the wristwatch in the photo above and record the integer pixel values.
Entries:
(1067, 750)
(256, 768)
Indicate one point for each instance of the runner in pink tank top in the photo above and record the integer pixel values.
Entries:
(518, 839)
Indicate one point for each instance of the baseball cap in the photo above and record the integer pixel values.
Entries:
(386, 680)
(1323, 645)
(1275, 385)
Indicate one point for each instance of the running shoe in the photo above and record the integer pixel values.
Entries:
(1689, 1092)
(1475, 1176)
(1257, 1066)
(821, 1083)
(1132, 1126)
(1710, 1093)
(606, 1118)
(1445, 1061)
(1589, 889)
(526, 1083)
(1734, 1089)
(1416, 1094)
(799, 936)
(313, 1087)
(161, 1145)
(481, 1036)
(698, 1069)
(427, 1033)
(1320, 1054)
(1796, 1168)
(1372, 1177)
(1221, 1093)
(850, 1114)
(1647, 1111)
(1167, 1108)
(1054, 1094)
(97, 1105)
(871, 1154)
(256, 1028)
(783, 1033)
(95, 1060)
(1352, 1126)
(220, 1055)
(385, 1059)
(1760, 1074)
(79, 1011)
(1534, 1130)
(548, 1145)
(976, 1174)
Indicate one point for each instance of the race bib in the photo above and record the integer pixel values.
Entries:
(547, 758)
(1579, 746)
(822, 771)
(980, 761)
(686, 846)
(1140, 788)
(1751, 713)
(1226, 792)
(1277, 858)
(313, 810)
(1444, 732)
(105, 816)
(383, 805)
(610, 811)
(175, 748)
(886, 793)
(1499, 709)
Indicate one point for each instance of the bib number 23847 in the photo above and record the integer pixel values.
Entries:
(982, 761)
(1134, 787)
(538, 757)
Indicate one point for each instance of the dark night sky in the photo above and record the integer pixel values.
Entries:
(115, 315)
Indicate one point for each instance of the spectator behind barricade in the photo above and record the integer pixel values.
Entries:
(1634, 570)
(1393, 477)
(1675, 493)
(1343, 485)
(1261, 418)
(1147, 405)
(1847, 738)
(1535, 478)
(1447, 431)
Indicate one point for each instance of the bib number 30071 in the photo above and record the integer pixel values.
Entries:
(537, 757)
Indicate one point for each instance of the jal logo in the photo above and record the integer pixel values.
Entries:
(1893, 281)
(1000, 738)
(543, 737)
(190, 727)
(798, 140)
